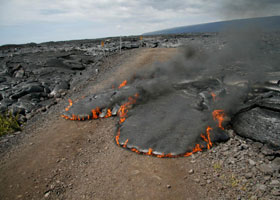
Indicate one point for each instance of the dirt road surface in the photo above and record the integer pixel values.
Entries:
(62, 159)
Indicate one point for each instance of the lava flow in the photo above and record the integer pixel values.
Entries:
(95, 114)
(218, 115)
(213, 96)
(70, 104)
(197, 148)
(123, 84)
(124, 108)
(207, 139)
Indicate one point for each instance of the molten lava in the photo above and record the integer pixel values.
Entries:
(109, 113)
(124, 108)
(70, 104)
(207, 137)
(118, 137)
(125, 143)
(219, 115)
(123, 84)
(213, 96)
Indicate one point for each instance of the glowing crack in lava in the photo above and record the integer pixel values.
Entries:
(123, 84)
(219, 115)
(167, 126)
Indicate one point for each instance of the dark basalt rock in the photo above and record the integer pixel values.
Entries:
(7, 102)
(35, 97)
(4, 87)
(272, 103)
(31, 73)
(74, 64)
(19, 74)
(57, 63)
(23, 107)
(27, 89)
(15, 110)
(260, 125)
(61, 86)
(2, 79)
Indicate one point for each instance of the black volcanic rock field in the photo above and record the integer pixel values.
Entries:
(33, 75)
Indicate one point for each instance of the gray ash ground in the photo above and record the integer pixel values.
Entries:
(242, 168)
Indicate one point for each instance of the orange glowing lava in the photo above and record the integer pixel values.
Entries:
(118, 137)
(109, 113)
(213, 96)
(219, 115)
(207, 137)
(95, 113)
(123, 84)
(124, 146)
(124, 108)
(70, 104)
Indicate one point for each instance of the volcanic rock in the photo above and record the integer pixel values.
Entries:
(2, 79)
(106, 99)
(103, 113)
(23, 107)
(27, 89)
(267, 169)
(17, 110)
(275, 192)
(19, 73)
(260, 125)
(275, 182)
(267, 151)
(115, 110)
(251, 162)
(60, 87)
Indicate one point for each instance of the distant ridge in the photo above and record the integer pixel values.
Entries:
(265, 23)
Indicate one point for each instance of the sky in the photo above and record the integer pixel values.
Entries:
(24, 21)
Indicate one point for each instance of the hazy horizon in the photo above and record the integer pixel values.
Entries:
(25, 21)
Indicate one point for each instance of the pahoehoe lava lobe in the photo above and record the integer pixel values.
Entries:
(157, 117)
(172, 131)
(108, 99)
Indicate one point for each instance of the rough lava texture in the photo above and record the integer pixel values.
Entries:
(259, 124)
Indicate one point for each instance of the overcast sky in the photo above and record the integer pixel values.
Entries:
(23, 21)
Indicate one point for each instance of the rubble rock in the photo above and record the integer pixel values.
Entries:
(267, 169)
(20, 73)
